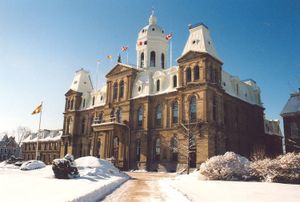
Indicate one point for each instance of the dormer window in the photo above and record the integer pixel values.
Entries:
(153, 29)
(158, 85)
(83, 104)
(145, 42)
(93, 103)
(174, 81)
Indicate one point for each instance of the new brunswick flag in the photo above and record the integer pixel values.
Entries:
(38, 109)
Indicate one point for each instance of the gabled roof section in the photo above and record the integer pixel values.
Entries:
(292, 105)
(200, 41)
(120, 67)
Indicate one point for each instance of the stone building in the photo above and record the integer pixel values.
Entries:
(273, 138)
(8, 147)
(142, 116)
(49, 145)
(291, 121)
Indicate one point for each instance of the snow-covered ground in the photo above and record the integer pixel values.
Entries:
(233, 191)
(95, 182)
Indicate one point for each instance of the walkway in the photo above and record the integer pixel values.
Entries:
(146, 186)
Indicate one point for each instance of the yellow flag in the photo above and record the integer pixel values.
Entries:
(38, 109)
(109, 57)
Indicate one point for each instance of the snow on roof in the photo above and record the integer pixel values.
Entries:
(292, 105)
(246, 90)
(44, 136)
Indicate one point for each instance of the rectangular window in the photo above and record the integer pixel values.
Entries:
(294, 130)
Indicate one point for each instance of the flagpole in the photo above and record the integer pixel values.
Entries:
(97, 72)
(171, 53)
(37, 142)
(127, 57)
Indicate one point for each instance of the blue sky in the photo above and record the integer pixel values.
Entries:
(42, 44)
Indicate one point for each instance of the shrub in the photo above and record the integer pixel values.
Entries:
(229, 166)
(284, 168)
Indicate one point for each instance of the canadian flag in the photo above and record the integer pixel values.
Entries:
(169, 36)
(124, 48)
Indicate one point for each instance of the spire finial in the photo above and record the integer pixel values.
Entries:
(152, 18)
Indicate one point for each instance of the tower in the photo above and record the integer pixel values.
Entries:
(152, 46)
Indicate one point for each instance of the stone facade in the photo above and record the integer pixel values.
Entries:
(156, 118)
(48, 146)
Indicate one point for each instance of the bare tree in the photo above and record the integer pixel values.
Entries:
(21, 133)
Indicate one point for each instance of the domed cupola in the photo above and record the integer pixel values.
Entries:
(152, 46)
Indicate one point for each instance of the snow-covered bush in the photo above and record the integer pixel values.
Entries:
(32, 164)
(90, 165)
(284, 168)
(229, 166)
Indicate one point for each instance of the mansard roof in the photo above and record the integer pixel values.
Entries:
(292, 105)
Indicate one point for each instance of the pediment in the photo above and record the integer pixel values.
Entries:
(120, 68)
(72, 92)
(190, 55)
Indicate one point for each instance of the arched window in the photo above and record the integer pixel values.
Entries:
(93, 103)
(158, 115)
(188, 75)
(72, 102)
(175, 112)
(174, 148)
(214, 109)
(138, 149)
(140, 116)
(83, 125)
(68, 125)
(174, 81)
(115, 95)
(121, 92)
(193, 109)
(142, 60)
(158, 85)
(118, 115)
(157, 149)
(196, 73)
(152, 59)
(162, 60)
(68, 104)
